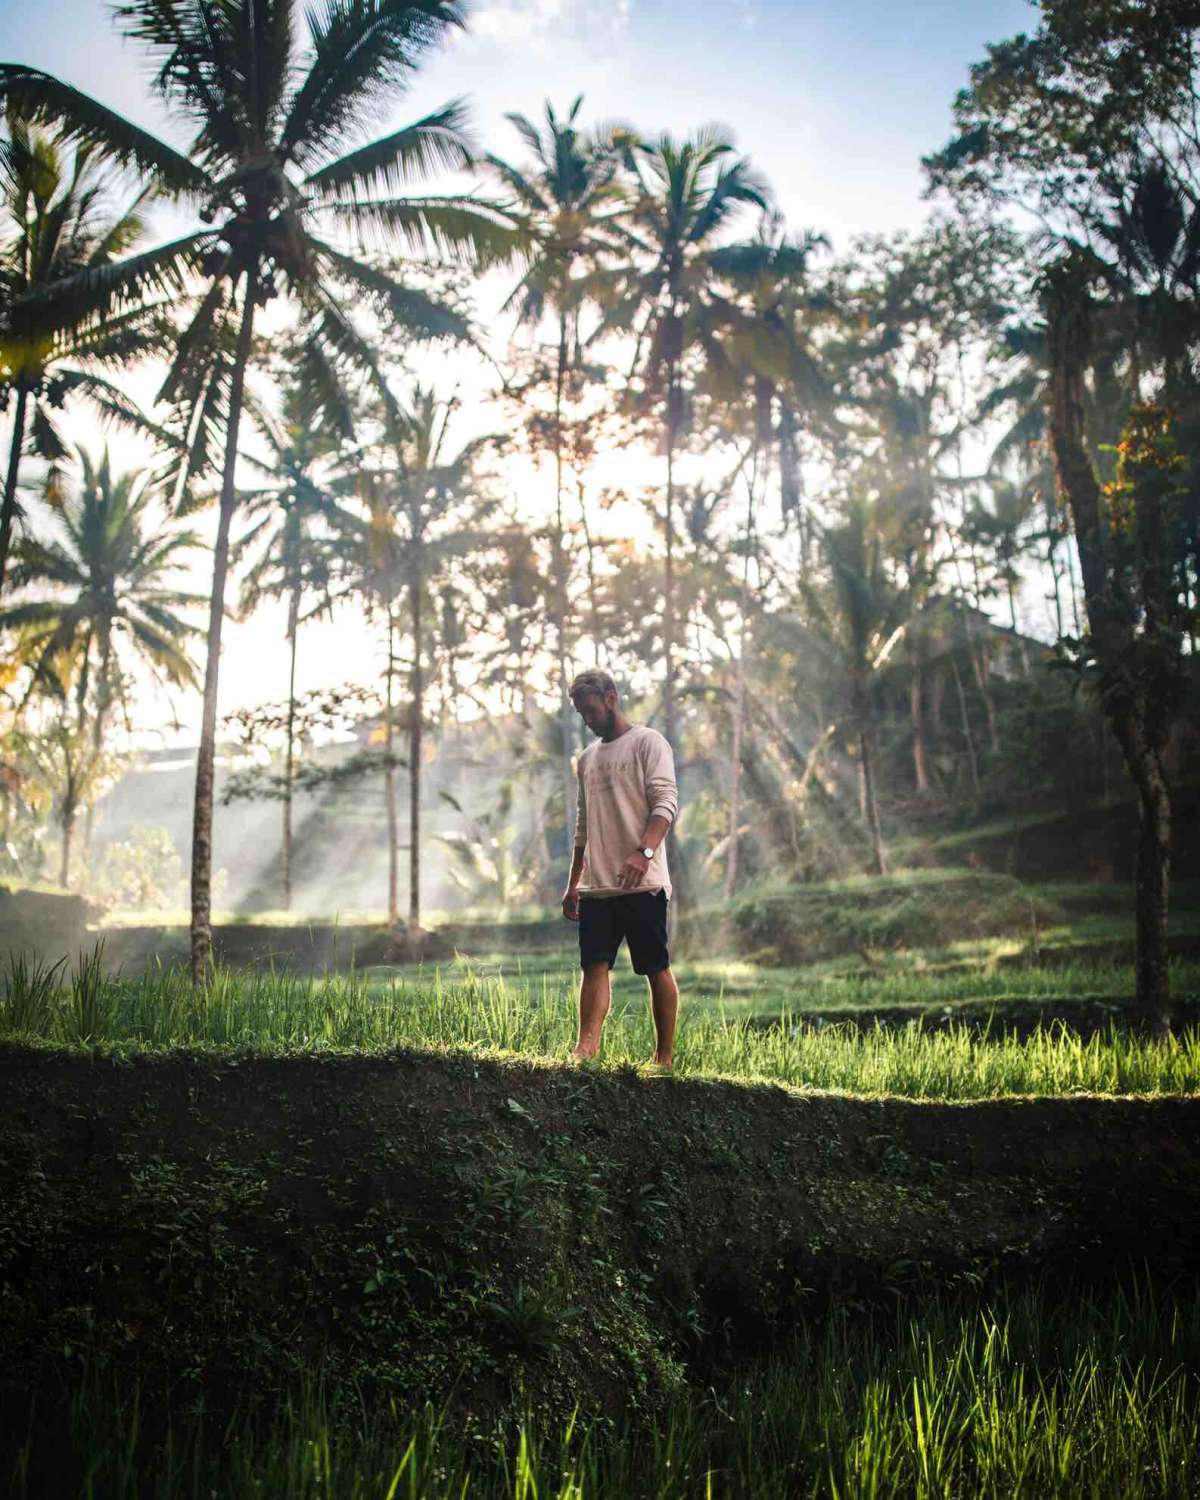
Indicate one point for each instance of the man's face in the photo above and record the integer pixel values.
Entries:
(598, 713)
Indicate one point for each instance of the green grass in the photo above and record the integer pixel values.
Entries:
(533, 1015)
(742, 987)
(1040, 1394)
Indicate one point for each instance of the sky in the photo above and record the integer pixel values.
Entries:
(834, 103)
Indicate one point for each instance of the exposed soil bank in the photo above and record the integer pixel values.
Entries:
(421, 1219)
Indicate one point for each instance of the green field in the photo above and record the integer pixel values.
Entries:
(526, 1008)
(1038, 1391)
(1035, 1395)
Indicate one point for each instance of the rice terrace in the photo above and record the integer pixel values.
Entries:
(600, 750)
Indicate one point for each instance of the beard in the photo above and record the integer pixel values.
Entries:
(609, 725)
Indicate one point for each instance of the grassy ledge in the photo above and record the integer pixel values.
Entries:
(431, 1223)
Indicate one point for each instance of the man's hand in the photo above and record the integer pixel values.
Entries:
(571, 904)
(633, 871)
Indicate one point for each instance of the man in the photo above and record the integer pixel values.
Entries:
(619, 884)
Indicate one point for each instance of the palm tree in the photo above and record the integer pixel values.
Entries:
(292, 518)
(106, 602)
(58, 220)
(62, 757)
(863, 619)
(277, 150)
(685, 194)
(768, 361)
(414, 526)
(770, 343)
(568, 201)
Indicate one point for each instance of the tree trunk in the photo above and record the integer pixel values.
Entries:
(9, 511)
(566, 712)
(920, 730)
(598, 646)
(1018, 641)
(981, 670)
(103, 703)
(389, 778)
(1153, 887)
(968, 737)
(68, 831)
(293, 630)
(202, 813)
(739, 698)
(1056, 576)
(414, 767)
(669, 709)
(868, 782)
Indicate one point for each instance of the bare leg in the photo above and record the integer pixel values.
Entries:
(595, 998)
(664, 1005)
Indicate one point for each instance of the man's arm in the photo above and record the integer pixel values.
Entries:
(658, 767)
(571, 894)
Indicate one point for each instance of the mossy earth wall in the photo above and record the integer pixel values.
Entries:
(431, 1225)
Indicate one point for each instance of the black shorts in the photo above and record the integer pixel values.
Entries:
(639, 917)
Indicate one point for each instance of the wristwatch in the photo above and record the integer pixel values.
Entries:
(647, 853)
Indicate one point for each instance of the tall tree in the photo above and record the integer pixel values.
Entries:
(1090, 121)
(1136, 609)
(277, 150)
(423, 506)
(769, 364)
(567, 199)
(57, 219)
(862, 616)
(293, 517)
(103, 604)
(686, 194)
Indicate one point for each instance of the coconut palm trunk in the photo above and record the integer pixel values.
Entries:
(417, 694)
(389, 776)
(202, 815)
(566, 715)
(868, 782)
(289, 755)
(601, 654)
(920, 722)
(68, 833)
(739, 696)
(99, 724)
(10, 479)
(672, 431)
(968, 735)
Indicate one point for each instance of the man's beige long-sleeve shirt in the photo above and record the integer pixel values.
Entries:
(623, 784)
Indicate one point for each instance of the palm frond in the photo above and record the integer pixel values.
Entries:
(41, 97)
(79, 301)
(332, 326)
(429, 145)
(362, 50)
(467, 230)
(114, 406)
(198, 340)
(412, 310)
(527, 193)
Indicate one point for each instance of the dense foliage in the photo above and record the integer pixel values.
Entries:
(856, 470)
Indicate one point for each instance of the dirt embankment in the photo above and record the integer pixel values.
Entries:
(421, 1222)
